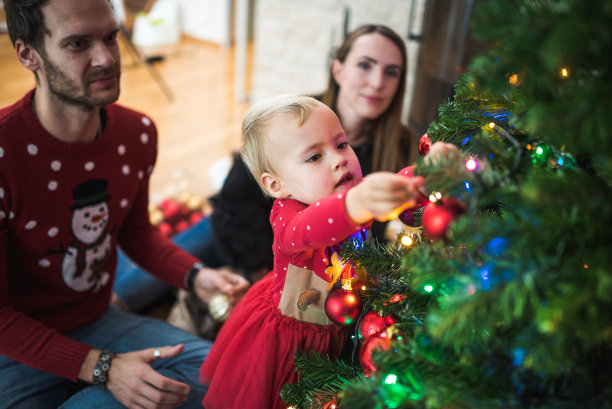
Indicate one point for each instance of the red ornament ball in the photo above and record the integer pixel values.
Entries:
(438, 216)
(171, 211)
(195, 217)
(180, 226)
(377, 342)
(372, 324)
(342, 307)
(166, 229)
(407, 216)
(424, 145)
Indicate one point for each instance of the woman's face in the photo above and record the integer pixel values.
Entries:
(368, 78)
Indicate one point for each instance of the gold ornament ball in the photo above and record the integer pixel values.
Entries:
(195, 203)
(184, 197)
(219, 307)
(156, 216)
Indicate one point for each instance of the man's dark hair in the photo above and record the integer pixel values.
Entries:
(24, 20)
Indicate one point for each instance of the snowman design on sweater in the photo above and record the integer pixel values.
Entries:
(82, 266)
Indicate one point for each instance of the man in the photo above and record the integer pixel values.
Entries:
(74, 178)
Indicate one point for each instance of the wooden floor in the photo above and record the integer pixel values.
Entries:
(200, 125)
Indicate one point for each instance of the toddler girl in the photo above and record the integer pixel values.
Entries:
(298, 152)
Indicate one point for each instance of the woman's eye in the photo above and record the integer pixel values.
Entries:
(313, 158)
(364, 65)
(343, 145)
(392, 73)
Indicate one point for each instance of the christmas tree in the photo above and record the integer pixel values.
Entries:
(502, 298)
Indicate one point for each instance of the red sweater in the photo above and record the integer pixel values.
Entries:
(63, 209)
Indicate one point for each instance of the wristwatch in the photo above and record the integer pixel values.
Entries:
(100, 373)
(191, 275)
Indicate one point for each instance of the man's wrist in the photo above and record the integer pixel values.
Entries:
(100, 372)
(191, 275)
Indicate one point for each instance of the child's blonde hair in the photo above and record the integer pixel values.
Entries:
(256, 128)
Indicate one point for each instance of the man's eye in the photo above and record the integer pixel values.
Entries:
(111, 38)
(76, 45)
(313, 158)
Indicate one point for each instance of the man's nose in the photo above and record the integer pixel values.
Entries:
(102, 56)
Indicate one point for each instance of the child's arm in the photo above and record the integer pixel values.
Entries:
(382, 196)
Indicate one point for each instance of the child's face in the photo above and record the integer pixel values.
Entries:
(312, 161)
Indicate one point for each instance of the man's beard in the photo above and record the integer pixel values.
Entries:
(68, 91)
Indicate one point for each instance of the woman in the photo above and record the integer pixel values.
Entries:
(366, 89)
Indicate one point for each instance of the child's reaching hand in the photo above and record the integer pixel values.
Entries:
(382, 196)
(446, 155)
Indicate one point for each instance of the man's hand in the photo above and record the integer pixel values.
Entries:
(382, 196)
(209, 282)
(133, 381)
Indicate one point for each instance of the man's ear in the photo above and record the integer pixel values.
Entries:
(273, 186)
(27, 55)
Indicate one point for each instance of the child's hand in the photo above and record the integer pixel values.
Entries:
(381, 196)
(445, 155)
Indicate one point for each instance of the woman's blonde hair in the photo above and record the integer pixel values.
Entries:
(256, 128)
(386, 131)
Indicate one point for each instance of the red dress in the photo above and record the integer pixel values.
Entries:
(252, 357)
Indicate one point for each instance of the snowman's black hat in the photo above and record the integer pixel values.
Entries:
(90, 192)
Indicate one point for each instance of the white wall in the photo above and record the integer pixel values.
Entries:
(293, 39)
(208, 20)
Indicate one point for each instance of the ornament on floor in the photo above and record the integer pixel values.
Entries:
(343, 305)
(438, 216)
(177, 213)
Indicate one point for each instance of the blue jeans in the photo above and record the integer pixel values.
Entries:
(138, 289)
(23, 387)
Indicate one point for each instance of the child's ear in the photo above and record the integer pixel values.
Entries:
(27, 55)
(273, 186)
